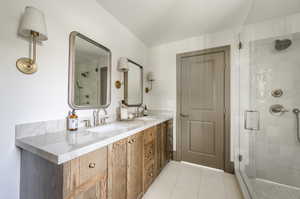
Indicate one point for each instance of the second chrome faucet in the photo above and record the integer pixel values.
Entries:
(99, 120)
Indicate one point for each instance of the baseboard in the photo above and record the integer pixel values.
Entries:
(230, 167)
(201, 166)
(174, 156)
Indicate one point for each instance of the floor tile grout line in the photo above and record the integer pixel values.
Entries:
(200, 184)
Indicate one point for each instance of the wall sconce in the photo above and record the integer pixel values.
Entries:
(150, 78)
(123, 65)
(32, 26)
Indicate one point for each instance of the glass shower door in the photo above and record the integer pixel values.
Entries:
(269, 146)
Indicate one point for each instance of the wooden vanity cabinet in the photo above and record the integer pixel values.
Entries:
(135, 166)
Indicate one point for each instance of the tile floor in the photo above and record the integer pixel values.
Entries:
(184, 181)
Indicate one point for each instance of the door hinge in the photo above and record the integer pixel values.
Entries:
(240, 45)
(240, 158)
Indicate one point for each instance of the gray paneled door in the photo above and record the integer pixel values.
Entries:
(202, 108)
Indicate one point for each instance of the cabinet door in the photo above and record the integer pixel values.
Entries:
(117, 170)
(135, 166)
(86, 177)
(170, 140)
(158, 150)
(96, 190)
(164, 145)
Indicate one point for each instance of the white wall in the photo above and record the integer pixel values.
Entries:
(43, 96)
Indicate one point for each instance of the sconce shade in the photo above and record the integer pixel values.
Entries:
(150, 77)
(123, 64)
(33, 20)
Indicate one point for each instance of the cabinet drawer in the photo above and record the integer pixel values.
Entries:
(148, 176)
(92, 165)
(149, 151)
(149, 135)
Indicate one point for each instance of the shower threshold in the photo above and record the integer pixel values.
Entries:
(265, 189)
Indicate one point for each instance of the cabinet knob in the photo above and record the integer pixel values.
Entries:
(92, 165)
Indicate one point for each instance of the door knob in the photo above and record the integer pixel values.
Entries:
(92, 165)
(184, 115)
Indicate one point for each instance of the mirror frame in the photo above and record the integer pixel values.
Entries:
(126, 85)
(71, 82)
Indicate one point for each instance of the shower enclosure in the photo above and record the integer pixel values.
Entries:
(268, 155)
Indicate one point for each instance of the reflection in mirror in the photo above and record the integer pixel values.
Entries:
(133, 90)
(89, 73)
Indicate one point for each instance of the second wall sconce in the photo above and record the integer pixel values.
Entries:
(122, 67)
(150, 78)
(33, 26)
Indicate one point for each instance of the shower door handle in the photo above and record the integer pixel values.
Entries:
(296, 111)
(184, 115)
(252, 120)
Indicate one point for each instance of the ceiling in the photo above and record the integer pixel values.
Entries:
(161, 21)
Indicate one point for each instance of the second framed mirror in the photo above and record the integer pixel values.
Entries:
(133, 84)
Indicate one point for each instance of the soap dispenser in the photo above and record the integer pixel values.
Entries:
(72, 121)
(145, 110)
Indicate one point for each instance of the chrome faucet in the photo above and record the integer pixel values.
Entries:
(139, 111)
(99, 120)
(103, 119)
(96, 118)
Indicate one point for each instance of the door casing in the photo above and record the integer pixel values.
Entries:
(228, 165)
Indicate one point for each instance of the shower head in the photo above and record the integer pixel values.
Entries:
(282, 44)
(85, 74)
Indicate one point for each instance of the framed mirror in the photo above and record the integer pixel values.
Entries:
(133, 84)
(89, 73)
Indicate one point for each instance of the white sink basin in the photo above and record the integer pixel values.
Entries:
(146, 118)
(107, 128)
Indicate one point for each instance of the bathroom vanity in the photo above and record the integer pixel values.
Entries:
(116, 161)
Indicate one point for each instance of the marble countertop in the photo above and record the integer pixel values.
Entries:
(63, 146)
